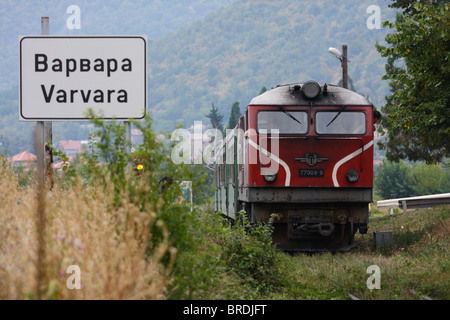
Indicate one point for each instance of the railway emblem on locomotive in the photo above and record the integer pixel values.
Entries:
(311, 159)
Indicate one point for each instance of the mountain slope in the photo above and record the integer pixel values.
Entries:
(230, 54)
(154, 18)
(200, 54)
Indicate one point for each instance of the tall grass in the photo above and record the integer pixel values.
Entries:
(132, 240)
(108, 244)
(126, 233)
(97, 216)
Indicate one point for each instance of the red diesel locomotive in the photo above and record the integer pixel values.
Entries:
(304, 154)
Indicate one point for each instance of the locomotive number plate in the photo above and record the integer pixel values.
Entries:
(311, 173)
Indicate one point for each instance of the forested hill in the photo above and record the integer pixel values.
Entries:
(230, 54)
(154, 18)
(205, 51)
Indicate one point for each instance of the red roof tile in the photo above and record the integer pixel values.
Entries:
(24, 156)
(70, 145)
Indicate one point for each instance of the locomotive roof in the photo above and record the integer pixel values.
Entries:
(290, 94)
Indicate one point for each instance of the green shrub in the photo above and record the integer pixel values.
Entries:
(206, 258)
(249, 252)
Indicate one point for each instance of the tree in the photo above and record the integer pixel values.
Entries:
(407, 7)
(234, 115)
(397, 180)
(430, 179)
(263, 89)
(417, 114)
(215, 117)
(351, 86)
(394, 180)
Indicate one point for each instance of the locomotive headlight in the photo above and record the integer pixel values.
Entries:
(352, 175)
(311, 89)
(270, 177)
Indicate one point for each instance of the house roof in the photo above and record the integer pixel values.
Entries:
(70, 145)
(24, 156)
(136, 132)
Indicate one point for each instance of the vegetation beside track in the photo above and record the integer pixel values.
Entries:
(131, 240)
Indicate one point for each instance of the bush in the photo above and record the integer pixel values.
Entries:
(394, 180)
(79, 227)
(127, 232)
(397, 180)
(249, 252)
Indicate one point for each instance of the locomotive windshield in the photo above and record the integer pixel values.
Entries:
(296, 122)
(346, 123)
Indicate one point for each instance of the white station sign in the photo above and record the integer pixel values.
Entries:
(60, 77)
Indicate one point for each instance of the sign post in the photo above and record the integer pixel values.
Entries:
(61, 77)
(44, 131)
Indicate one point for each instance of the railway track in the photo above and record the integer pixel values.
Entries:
(424, 297)
(334, 283)
(353, 296)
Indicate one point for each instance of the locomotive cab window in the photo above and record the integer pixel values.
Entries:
(287, 122)
(347, 123)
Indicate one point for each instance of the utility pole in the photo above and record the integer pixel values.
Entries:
(344, 67)
(344, 61)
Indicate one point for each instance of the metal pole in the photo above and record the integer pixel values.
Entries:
(43, 129)
(128, 137)
(40, 151)
(344, 67)
(128, 134)
(48, 127)
(45, 26)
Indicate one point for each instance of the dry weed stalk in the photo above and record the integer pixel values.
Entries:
(17, 236)
(80, 228)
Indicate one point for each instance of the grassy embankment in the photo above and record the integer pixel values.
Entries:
(131, 240)
(111, 247)
(416, 265)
